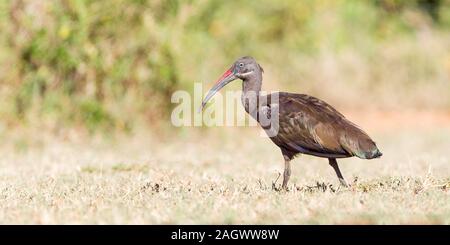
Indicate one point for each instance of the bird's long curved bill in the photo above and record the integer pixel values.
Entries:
(226, 78)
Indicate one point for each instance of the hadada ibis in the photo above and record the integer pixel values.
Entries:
(306, 125)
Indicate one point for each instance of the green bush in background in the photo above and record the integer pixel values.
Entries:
(105, 64)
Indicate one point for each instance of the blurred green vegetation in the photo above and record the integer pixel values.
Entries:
(108, 64)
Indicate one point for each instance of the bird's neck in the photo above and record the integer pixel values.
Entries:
(250, 94)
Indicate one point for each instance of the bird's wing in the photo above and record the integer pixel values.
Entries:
(309, 125)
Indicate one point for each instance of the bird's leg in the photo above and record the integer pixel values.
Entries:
(287, 171)
(335, 166)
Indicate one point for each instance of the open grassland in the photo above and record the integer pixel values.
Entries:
(72, 69)
(222, 175)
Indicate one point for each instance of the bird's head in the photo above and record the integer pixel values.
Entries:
(243, 68)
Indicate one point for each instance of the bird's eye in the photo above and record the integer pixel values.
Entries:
(241, 65)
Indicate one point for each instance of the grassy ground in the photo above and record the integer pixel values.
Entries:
(224, 175)
(112, 65)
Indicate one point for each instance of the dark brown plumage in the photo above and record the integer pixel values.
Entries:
(306, 125)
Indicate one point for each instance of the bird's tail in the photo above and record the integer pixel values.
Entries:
(361, 145)
(373, 154)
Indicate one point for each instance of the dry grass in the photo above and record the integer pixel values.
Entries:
(218, 176)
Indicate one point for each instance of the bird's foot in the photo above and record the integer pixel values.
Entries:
(344, 183)
(277, 188)
(274, 184)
